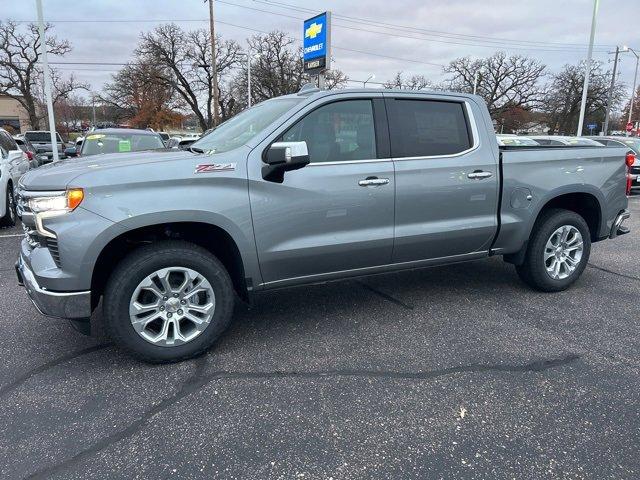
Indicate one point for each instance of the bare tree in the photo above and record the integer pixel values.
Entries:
(184, 60)
(276, 69)
(20, 73)
(564, 93)
(140, 99)
(414, 82)
(504, 82)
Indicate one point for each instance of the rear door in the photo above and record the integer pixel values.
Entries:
(335, 214)
(446, 184)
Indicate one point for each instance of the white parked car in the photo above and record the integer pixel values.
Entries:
(13, 164)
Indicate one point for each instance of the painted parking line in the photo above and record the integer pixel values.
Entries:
(12, 235)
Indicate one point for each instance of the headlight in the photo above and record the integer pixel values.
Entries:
(58, 202)
(54, 204)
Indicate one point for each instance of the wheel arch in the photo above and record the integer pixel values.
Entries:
(214, 238)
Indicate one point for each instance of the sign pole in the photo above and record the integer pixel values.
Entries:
(47, 82)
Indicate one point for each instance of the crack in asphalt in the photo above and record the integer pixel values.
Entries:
(386, 296)
(50, 364)
(612, 272)
(193, 383)
(199, 380)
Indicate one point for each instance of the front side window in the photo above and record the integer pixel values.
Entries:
(338, 131)
(423, 128)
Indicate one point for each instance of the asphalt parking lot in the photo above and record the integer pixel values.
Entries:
(452, 372)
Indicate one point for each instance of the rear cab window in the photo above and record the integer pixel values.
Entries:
(428, 128)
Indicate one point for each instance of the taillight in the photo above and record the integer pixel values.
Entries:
(29, 155)
(630, 159)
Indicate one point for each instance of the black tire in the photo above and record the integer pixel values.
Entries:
(9, 219)
(533, 271)
(143, 262)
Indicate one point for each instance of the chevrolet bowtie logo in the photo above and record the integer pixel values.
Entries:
(313, 31)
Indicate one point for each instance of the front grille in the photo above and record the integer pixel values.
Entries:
(635, 170)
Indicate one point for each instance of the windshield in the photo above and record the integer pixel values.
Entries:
(243, 127)
(40, 137)
(518, 141)
(97, 143)
(583, 141)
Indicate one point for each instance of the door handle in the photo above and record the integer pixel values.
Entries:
(479, 174)
(373, 182)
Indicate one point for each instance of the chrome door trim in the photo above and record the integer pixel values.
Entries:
(341, 274)
(347, 162)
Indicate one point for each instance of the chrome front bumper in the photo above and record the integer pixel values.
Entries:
(70, 305)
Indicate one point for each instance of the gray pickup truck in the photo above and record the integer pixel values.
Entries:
(300, 189)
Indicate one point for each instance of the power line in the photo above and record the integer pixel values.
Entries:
(427, 31)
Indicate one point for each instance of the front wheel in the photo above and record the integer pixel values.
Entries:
(558, 251)
(168, 301)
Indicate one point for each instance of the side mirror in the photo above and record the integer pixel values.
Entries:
(71, 151)
(283, 157)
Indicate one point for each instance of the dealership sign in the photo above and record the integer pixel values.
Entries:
(316, 44)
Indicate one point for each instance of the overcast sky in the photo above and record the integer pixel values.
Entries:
(419, 34)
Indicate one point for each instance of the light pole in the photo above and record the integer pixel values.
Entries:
(214, 67)
(587, 69)
(371, 77)
(476, 77)
(47, 81)
(635, 79)
(610, 96)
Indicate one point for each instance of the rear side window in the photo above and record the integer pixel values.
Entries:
(423, 128)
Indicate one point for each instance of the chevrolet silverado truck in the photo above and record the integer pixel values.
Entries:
(304, 188)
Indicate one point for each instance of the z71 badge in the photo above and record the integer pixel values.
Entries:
(214, 167)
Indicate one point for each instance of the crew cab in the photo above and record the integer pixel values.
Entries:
(305, 188)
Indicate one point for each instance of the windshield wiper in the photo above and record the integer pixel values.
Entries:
(195, 150)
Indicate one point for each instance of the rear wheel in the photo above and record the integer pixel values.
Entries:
(168, 301)
(9, 219)
(558, 251)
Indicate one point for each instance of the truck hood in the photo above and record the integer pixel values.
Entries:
(57, 176)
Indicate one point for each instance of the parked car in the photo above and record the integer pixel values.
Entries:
(13, 164)
(41, 140)
(120, 140)
(633, 144)
(516, 140)
(29, 150)
(557, 140)
(300, 189)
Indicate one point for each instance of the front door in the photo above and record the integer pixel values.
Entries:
(336, 213)
(447, 187)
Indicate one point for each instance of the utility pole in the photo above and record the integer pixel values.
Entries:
(587, 71)
(635, 80)
(609, 98)
(47, 82)
(214, 67)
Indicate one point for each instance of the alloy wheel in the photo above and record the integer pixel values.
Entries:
(172, 306)
(563, 252)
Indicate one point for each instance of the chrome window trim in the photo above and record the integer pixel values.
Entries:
(474, 134)
(349, 162)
